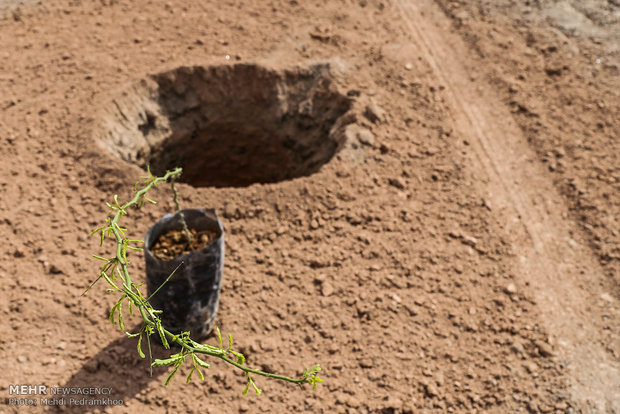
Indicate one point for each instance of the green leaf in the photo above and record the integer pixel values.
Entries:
(98, 229)
(140, 347)
(311, 372)
(311, 376)
(107, 279)
(174, 371)
(138, 249)
(112, 266)
(119, 306)
(101, 258)
(133, 335)
(315, 382)
(112, 311)
(165, 362)
(202, 377)
(219, 337)
(240, 357)
(120, 318)
(162, 335)
(119, 272)
(200, 362)
(189, 377)
(124, 246)
(257, 390)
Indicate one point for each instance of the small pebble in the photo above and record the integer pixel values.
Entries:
(327, 289)
(531, 367)
(374, 113)
(48, 361)
(366, 363)
(431, 389)
(355, 133)
(544, 349)
(511, 289)
(470, 241)
(365, 137)
(517, 347)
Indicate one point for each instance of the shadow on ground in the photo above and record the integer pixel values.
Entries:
(117, 366)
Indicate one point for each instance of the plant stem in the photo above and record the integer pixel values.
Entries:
(188, 235)
(165, 281)
(148, 314)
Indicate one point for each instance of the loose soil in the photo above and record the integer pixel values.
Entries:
(443, 235)
(174, 243)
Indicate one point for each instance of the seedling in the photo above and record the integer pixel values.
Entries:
(115, 271)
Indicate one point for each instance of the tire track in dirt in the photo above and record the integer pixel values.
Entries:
(564, 275)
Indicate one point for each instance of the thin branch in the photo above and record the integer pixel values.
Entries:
(175, 198)
(165, 281)
(152, 322)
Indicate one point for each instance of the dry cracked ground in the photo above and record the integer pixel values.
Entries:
(421, 196)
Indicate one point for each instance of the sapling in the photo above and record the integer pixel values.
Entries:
(115, 271)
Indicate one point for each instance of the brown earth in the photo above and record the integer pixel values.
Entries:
(459, 253)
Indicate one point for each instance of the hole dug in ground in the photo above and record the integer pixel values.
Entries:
(229, 125)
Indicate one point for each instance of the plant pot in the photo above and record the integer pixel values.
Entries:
(189, 300)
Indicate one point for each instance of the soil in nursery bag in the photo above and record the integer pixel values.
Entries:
(174, 243)
(189, 300)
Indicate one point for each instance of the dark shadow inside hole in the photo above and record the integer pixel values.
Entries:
(232, 126)
(227, 156)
